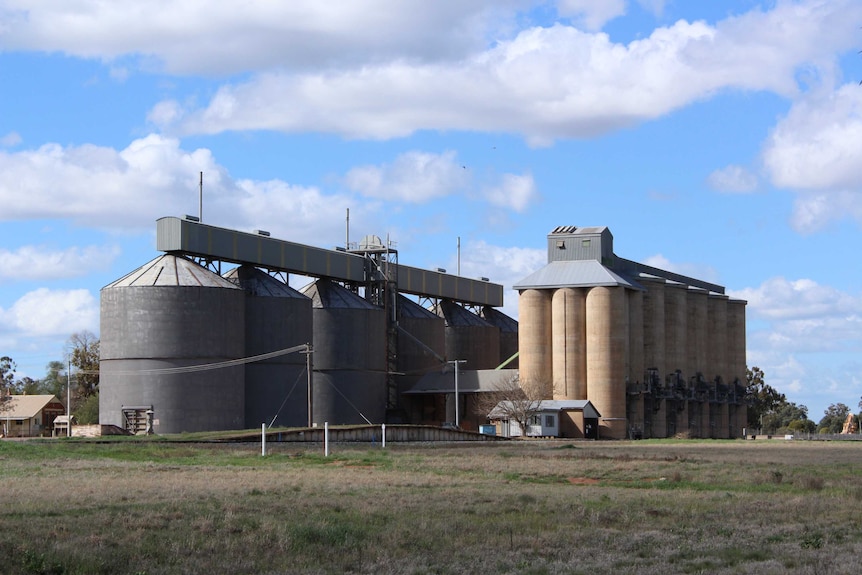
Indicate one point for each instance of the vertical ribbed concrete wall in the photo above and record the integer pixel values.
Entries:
(636, 358)
(716, 356)
(569, 343)
(172, 313)
(276, 317)
(676, 328)
(607, 339)
(654, 350)
(696, 330)
(736, 361)
(534, 340)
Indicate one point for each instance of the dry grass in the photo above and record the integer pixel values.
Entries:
(521, 507)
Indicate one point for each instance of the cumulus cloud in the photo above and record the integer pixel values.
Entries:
(515, 192)
(40, 262)
(10, 140)
(127, 190)
(590, 14)
(45, 312)
(782, 299)
(544, 83)
(735, 179)
(201, 36)
(414, 177)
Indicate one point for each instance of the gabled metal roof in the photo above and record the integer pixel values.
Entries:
(577, 273)
(555, 405)
(25, 406)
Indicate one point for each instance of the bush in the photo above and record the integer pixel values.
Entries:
(87, 412)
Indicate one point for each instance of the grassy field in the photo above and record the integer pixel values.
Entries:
(529, 507)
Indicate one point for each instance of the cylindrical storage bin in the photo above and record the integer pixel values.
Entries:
(569, 342)
(716, 341)
(675, 310)
(736, 361)
(421, 349)
(636, 367)
(277, 317)
(534, 339)
(654, 324)
(172, 313)
(696, 332)
(469, 337)
(607, 338)
(349, 384)
(508, 335)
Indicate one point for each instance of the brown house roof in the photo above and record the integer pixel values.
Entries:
(24, 406)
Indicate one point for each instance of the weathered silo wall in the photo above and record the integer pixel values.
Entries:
(637, 367)
(676, 315)
(569, 343)
(696, 327)
(534, 339)
(469, 337)
(276, 317)
(508, 334)
(607, 339)
(716, 355)
(654, 324)
(349, 383)
(421, 348)
(172, 313)
(737, 363)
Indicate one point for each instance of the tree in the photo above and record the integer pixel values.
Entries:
(788, 416)
(7, 372)
(54, 382)
(511, 399)
(833, 418)
(762, 399)
(82, 350)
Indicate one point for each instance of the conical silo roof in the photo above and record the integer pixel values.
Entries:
(170, 270)
(409, 308)
(497, 318)
(259, 283)
(457, 315)
(327, 294)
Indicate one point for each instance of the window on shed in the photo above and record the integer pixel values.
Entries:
(550, 421)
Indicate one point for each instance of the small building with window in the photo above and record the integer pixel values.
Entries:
(575, 418)
(29, 415)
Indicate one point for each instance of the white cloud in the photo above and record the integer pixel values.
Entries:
(545, 83)
(697, 271)
(127, 190)
(734, 179)
(40, 262)
(10, 140)
(803, 299)
(202, 36)
(415, 177)
(45, 312)
(513, 192)
(590, 14)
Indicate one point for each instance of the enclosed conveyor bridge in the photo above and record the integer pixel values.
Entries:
(193, 238)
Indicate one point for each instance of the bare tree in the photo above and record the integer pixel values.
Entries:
(511, 399)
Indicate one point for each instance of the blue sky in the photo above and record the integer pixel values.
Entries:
(721, 140)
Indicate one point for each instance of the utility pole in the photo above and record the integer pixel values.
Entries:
(308, 351)
(69, 398)
(455, 362)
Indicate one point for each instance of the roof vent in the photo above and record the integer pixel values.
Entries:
(564, 229)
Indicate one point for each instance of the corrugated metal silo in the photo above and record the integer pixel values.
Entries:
(469, 337)
(534, 339)
(349, 384)
(569, 342)
(607, 339)
(420, 337)
(276, 317)
(508, 334)
(172, 313)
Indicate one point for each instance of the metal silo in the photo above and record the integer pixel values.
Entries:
(349, 384)
(569, 342)
(508, 334)
(534, 339)
(172, 313)
(276, 317)
(469, 337)
(421, 349)
(607, 338)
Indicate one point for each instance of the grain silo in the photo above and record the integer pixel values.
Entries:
(607, 337)
(569, 342)
(469, 337)
(277, 317)
(349, 383)
(159, 324)
(508, 335)
(421, 349)
(534, 340)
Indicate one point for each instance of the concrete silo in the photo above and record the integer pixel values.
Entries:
(637, 368)
(696, 346)
(655, 421)
(717, 362)
(607, 339)
(736, 365)
(508, 335)
(349, 383)
(569, 343)
(276, 317)
(172, 314)
(534, 339)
